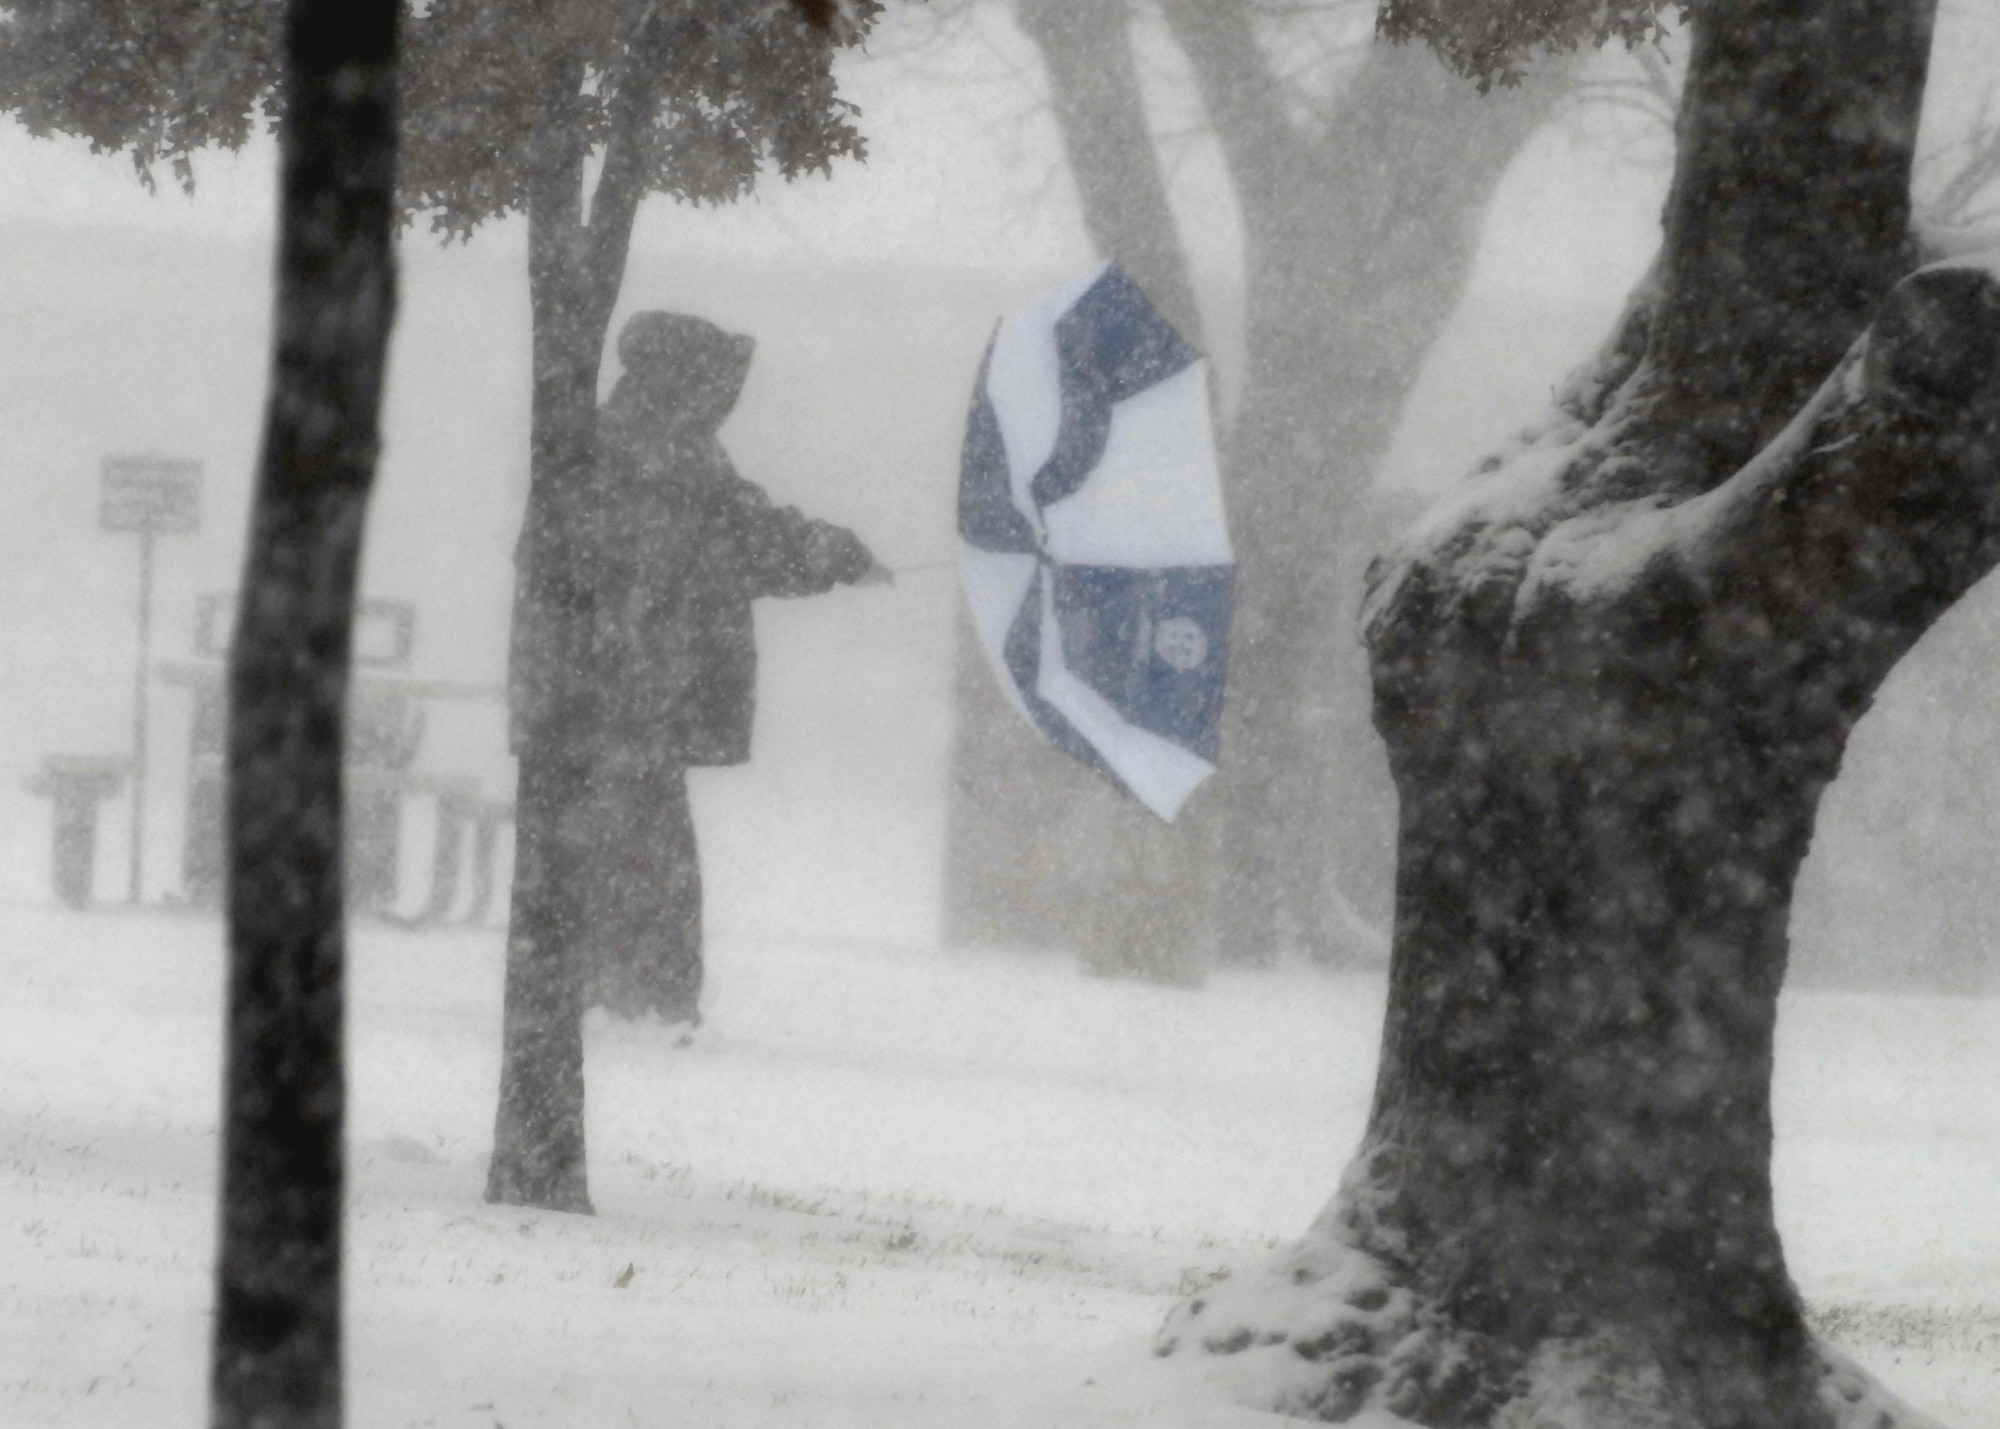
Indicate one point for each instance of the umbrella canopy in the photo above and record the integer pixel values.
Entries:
(1092, 538)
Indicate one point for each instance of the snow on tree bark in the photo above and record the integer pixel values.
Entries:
(276, 1349)
(1615, 672)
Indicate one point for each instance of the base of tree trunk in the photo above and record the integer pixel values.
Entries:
(1331, 1326)
(537, 1176)
(537, 1196)
(538, 1128)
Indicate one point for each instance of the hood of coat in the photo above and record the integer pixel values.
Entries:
(683, 374)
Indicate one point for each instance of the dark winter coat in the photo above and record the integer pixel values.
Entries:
(682, 545)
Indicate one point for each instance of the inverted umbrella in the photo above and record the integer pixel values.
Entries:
(1092, 539)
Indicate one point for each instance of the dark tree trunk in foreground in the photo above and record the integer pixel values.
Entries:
(1616, 672)
(575, 269)
(277, 1325)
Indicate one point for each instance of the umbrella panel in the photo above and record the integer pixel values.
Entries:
(1153, 643)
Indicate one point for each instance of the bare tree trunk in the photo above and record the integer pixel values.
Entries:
(1616, 672)
(1359, 242)
(276, 1350)
(575, 270)
(1086, 46)
(538, 1133)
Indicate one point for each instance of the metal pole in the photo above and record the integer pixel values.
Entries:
(135, 888)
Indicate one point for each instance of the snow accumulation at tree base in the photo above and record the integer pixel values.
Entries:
(1326, 1330)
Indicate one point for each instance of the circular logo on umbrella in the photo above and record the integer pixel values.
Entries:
(1180, 642)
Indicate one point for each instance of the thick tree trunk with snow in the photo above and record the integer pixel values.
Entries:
(1615, 674)
(276, 1349)
(575, 269)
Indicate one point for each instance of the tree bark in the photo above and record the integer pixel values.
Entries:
(1615, 673)
(575, 270)
(1086, 46)
(276, 1350)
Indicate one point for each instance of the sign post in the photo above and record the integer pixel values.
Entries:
(153, 496)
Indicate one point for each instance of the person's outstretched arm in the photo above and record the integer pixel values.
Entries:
(784, 552)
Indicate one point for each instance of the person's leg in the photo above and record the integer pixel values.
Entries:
(606, 880)
(618, 878)
(680, 924)
(644, 899)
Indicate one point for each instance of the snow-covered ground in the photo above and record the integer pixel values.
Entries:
(887, 1186)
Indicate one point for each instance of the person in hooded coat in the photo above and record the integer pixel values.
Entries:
(679, 547)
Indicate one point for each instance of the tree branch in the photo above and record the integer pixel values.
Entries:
(556, 242)
(621, 183)
(1788, 217)
(1880, 506)
(1265, 153)
(1101, 114)
(1844, 538)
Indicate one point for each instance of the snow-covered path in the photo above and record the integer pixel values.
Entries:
(886, 1187)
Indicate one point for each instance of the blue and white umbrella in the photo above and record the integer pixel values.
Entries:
(1095, 552)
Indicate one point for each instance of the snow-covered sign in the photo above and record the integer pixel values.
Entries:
(1092, 538)
(154, 495)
